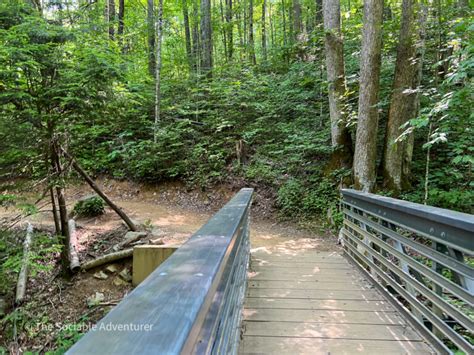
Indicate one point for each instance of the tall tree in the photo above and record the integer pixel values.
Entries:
(370, 60)
(230, 29)
(402, 104)
(206, 37)
(264, 30)
(151, 36)
(224, 29)
(187, 33)
(297, 23)
(195, 35)
(159, 35)
(111, 18)
(251, 35)
(340, 135)
(121, 23)
(283, 16)
(420, 54)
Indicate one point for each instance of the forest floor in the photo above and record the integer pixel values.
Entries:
(56, 310)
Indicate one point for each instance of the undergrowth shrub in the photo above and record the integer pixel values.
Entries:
(89, 207)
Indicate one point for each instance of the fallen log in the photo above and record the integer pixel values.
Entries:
(74, 263)
(129, 238)
(23, 275)
(96, 188)
(107, 259)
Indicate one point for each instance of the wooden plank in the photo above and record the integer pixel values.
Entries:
(369, 295)
(330, 330)
(301, 266)
(297, 261)
(310, 285)
(343, 305)
(305, 271)
(322, 316)
(312, 346)
(299, 257)
(302, 276)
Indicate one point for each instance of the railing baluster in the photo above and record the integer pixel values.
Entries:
(431, 284)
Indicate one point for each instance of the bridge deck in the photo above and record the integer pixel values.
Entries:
(317, 303)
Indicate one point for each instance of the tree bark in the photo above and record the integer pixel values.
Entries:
(264, 31)
(74, 264)
(63, 218)
(99, 192)
(195, 36)
(57, 225)
(297, 23)
(230, 30)
(111, 18)
(187, 33)
(151, 37)
(224, 29)
(107, 259)
(420, 55)
(253, 58)
(159, 34)
(283, 16)
(402, 104)
(340, 136)
(23, 275)
(206, 37)
(121, 24)
(366, 136)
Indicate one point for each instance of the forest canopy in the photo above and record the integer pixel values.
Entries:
(289, 95)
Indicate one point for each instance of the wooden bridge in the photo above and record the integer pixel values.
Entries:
(402, 283)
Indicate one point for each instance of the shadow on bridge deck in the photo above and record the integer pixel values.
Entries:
(301, 300)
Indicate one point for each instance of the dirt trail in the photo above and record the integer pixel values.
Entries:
(178, 213)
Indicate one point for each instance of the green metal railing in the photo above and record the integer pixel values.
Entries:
(421, 257)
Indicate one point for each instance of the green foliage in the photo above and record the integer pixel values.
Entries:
(298, 200)
(89, 207)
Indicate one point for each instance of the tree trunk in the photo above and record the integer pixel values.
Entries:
(283, 10)
(251, 38)
(151, 37)
(23, 275)
(206, 37)
(63, 218)
(272, 28)
(402, 101)
(195, 36)
(297, 24)
(420, 55)
(340, 136)
(224, 29)
(159, 34)
(111, 18)
(127, 253)
(366, 136)
(187, 33)
(99, 192)
(74, 264)
(264, 31)
(121, 24)
(230, 29)
(57, 225)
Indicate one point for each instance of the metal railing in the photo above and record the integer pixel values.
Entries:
(192, 303)
(421, 257)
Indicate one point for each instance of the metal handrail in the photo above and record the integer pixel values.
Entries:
(420, 257)
(192, 303)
